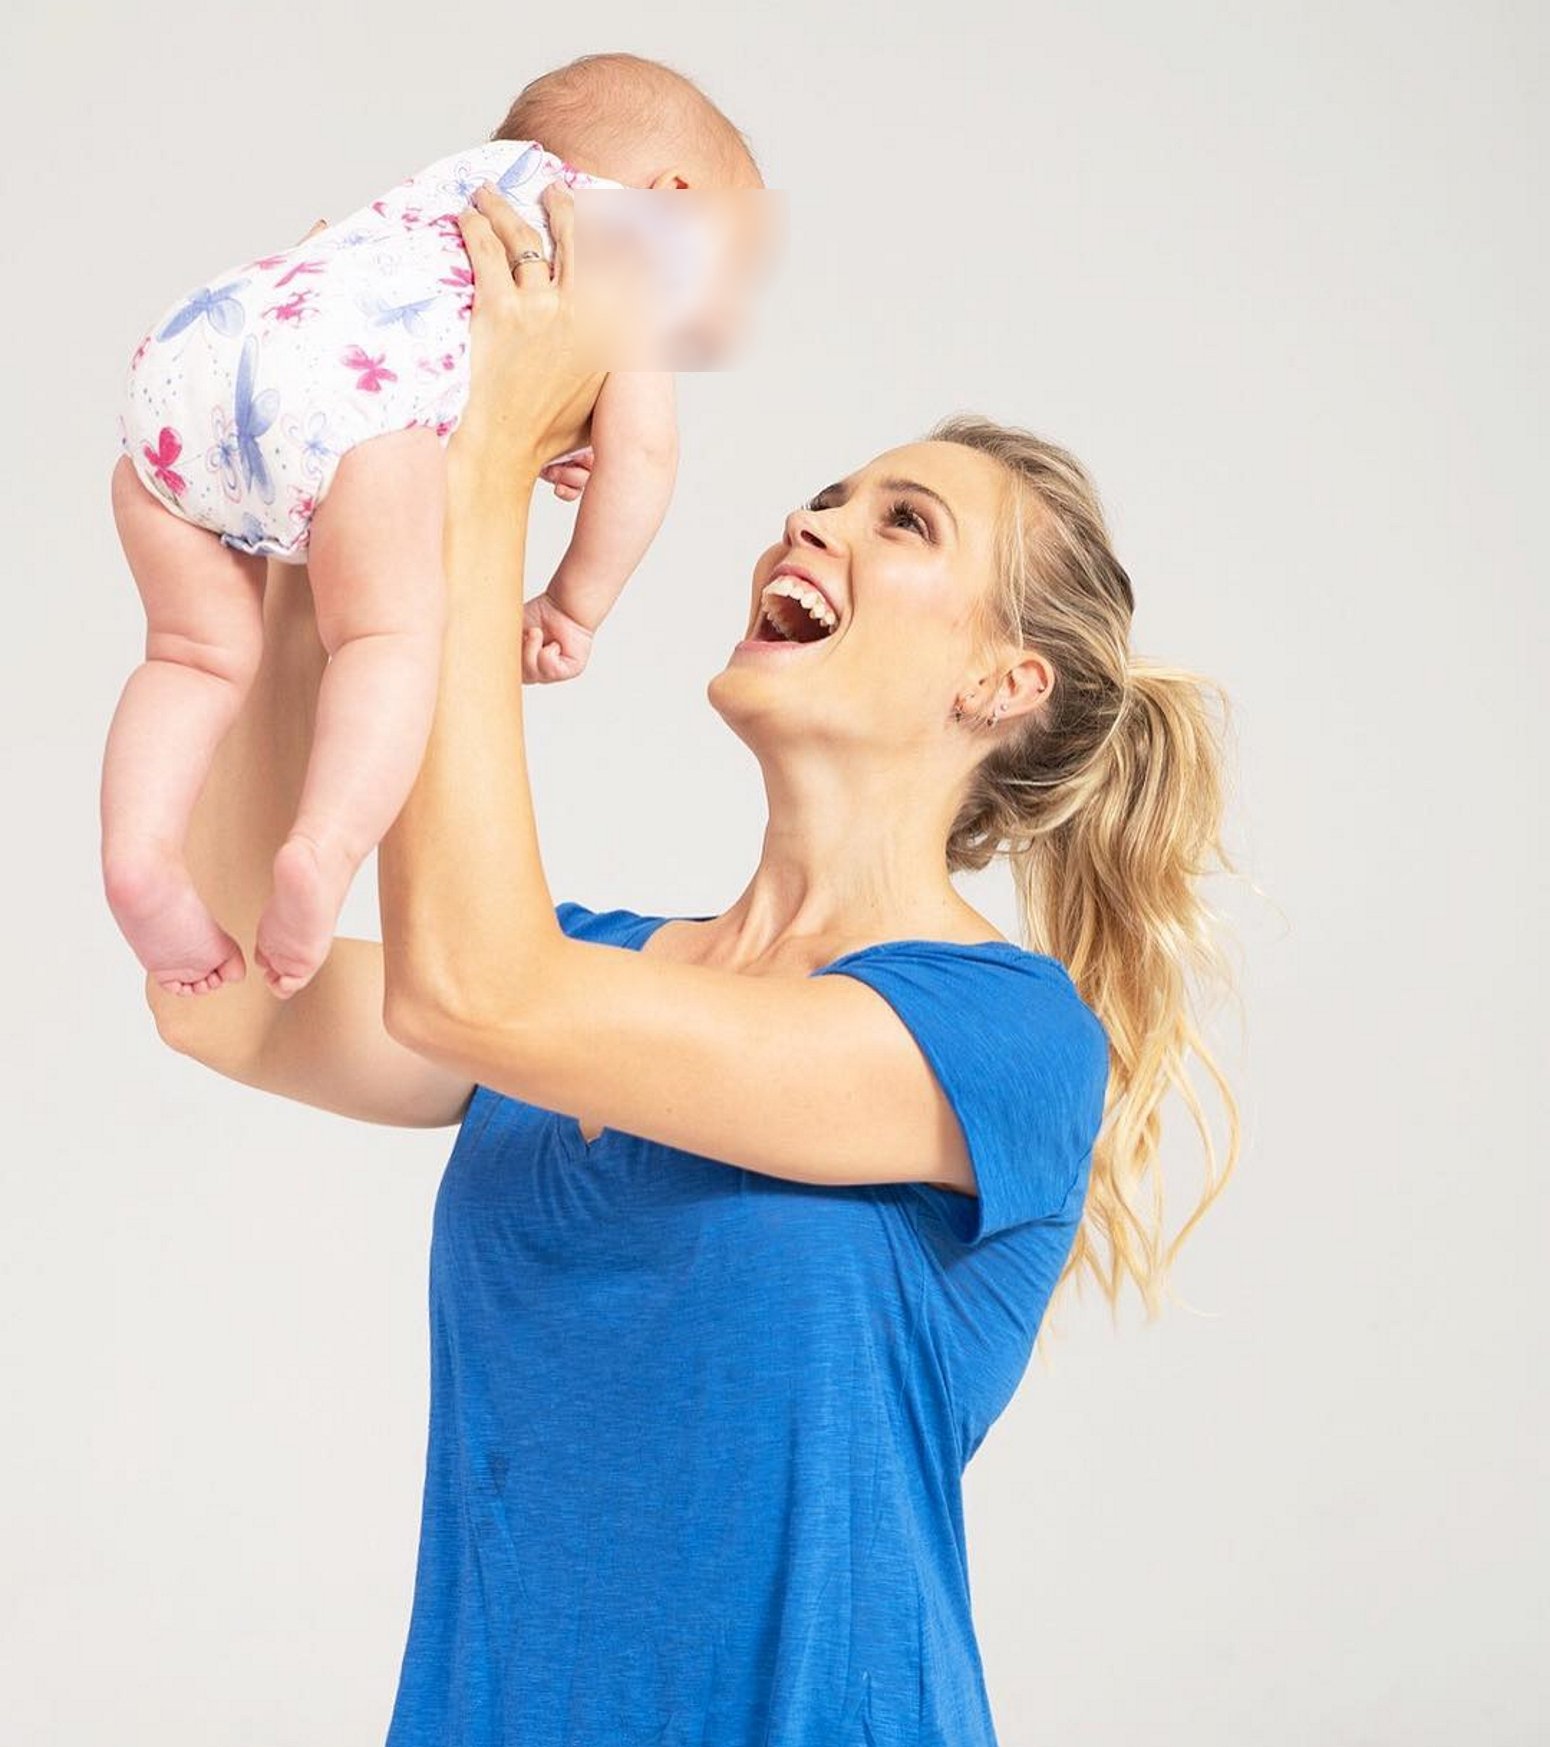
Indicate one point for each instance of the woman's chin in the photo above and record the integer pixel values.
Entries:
(747, 684)
(760, 669)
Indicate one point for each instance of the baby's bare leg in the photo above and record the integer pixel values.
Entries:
(377, 584)
(204, 608)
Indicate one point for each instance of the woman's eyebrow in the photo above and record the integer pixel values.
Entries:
(841, 489)
(924, 491)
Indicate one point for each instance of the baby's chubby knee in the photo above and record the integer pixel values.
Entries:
(232, 657)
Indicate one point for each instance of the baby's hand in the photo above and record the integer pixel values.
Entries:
(554, 645)
(568, 474)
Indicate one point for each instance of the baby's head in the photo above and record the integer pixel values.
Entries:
(642, 124)
(633, 121)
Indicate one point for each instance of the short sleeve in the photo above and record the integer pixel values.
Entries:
(1022, 1061)
(572, 917)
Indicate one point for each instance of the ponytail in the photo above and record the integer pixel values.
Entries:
(1114, 892)
(1108, 803)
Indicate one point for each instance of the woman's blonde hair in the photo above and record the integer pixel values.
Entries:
(1108, 804)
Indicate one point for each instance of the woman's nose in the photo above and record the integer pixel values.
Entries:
(802, 530)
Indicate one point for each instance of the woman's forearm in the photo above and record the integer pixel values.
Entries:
(467, 916)
(468, 923)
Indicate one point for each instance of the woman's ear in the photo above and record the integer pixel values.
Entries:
(1026, 685)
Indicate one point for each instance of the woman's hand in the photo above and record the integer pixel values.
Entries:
(534, 380)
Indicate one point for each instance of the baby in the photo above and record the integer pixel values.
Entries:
(297, 408)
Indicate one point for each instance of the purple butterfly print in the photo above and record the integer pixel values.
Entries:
(219, 305)
(409, 316)
(311, 437)
(221, 456)
(522, 168)
(255, 413)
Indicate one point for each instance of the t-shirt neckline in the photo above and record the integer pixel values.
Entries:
(655, 922)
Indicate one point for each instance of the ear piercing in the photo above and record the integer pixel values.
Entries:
(988, 721)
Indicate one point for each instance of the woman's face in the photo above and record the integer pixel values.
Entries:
(902, 553)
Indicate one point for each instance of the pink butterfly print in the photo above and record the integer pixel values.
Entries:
(266, 262)
(140, 351)
(370, 373)
(408, 216)
(460, 278)
(169, 445)
(303, 503)
(294, 309)
(300, 267)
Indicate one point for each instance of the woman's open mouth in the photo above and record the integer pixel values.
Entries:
(792, 610)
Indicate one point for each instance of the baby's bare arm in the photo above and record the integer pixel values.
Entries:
(635, 462)
(327, 1045)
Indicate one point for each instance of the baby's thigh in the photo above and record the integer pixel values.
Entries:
(374, 556)
(204, 602)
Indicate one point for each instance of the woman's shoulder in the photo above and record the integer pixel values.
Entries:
(979, 965)
(996, 992)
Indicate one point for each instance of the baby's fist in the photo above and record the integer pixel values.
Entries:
(554, 645)
(568, 474)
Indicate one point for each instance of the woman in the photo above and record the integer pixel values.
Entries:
(752, 1219)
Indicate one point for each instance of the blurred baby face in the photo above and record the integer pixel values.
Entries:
(667, 277)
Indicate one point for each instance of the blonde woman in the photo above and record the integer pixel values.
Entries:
(752, 1219)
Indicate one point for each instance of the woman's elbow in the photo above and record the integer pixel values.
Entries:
(412, 1021)
(455, 1009)
(424, 1021)
(459, 1035)
(186, 1026)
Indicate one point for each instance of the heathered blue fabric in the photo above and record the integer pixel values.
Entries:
(697, 1434)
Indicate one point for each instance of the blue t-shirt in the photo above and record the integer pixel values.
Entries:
(697, 1433)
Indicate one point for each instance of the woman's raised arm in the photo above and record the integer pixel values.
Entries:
(810, 1079)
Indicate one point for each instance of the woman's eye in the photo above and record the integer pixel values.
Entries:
(911, 516)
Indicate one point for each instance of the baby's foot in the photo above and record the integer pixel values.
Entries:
(297, 924)
(164, 919)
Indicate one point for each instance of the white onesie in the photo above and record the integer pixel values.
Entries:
(247, 391)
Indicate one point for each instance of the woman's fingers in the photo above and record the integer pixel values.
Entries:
(516, 236)
(485, 254)
(560, 210)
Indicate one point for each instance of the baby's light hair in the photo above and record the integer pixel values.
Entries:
(598, 111)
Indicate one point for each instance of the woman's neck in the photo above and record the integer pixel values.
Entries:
(839, 871)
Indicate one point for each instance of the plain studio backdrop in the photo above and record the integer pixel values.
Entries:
(1276, 273)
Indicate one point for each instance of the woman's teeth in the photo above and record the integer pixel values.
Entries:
(796, 610)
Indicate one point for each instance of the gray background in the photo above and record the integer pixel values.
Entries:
(1276, 274)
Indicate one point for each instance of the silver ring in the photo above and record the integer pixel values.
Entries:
(525, 255)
